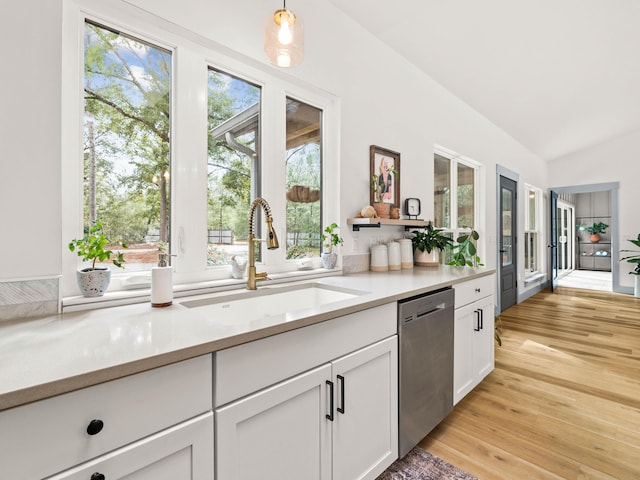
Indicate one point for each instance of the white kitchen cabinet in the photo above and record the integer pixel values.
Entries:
(473, 335)
(279, 433)
(183, 452)
(365, 427)
(335, 422)
(58, 433)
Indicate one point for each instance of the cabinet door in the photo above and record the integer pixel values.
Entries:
(365, 427)
(463, 365)
(183, 452)
(279, 433)
(483, 347)
(473, 352)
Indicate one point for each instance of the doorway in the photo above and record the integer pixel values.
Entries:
(578, 262)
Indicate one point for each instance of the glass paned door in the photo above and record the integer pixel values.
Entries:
(508, 227)
(566, 240)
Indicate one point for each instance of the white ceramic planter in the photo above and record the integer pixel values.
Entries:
(636, 286)
(329, 260)
(427, 259)
(93, 283)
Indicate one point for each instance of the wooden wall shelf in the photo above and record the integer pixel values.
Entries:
(358, 223)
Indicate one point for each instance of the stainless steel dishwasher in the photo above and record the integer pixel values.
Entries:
(425, 329)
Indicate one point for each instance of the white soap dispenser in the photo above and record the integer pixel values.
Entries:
(162, 282)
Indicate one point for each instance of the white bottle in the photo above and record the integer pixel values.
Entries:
(162, 282)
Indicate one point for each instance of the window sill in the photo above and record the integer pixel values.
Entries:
(128, 297)
(533, 278)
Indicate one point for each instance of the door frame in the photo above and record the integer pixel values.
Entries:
(517, 258)
(612, 188)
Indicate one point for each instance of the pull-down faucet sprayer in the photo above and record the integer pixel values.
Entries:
(272, 241)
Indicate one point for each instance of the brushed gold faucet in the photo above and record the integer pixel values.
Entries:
(272, 241)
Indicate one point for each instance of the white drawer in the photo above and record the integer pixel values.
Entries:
(248, 368)
(472, 290)
(45, 437)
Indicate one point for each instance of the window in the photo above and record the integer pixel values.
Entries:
(127, 150)
(532, 229)
(452, 173)
(233, 164)
(179, 137)
(304, 172)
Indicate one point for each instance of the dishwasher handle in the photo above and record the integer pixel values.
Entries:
(431, 311)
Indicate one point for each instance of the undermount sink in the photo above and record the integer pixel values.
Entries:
(271, 301)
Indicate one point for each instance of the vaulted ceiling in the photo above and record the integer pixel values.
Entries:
(557, 75)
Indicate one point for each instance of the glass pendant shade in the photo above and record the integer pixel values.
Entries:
(284, 38)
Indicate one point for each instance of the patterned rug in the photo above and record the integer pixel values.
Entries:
(419, 464)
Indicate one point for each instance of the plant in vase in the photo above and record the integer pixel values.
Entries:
(93, 281)
(465, 251)
(330, 239)
(383, 209)
(427, 245)
(634, 259)
(595, 230)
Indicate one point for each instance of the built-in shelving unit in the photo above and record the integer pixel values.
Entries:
(594, 255)
(358, 223)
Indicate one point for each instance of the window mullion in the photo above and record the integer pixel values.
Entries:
(189, 161)
(273, 185)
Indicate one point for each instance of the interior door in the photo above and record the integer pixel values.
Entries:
(553, 240)
(508, 243)
(566, 240)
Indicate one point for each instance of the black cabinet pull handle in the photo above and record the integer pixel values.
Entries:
(95, 426)
(97, 476)
(329, 416)
(481, 319)
(340, 409)
(476, 327)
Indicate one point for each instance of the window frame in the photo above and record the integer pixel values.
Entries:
(191, 60)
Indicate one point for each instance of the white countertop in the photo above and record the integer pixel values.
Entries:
(61, 353)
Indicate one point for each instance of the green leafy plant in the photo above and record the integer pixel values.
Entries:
(597, 227)
(91, 247)
(465, 252)
(430, 238)
(331, 239)
(635, 258)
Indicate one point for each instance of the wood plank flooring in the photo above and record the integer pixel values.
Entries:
(564, 399)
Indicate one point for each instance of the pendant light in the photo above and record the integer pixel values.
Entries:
(284, 38)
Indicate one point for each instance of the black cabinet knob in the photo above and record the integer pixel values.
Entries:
(97, 476)
(95, 426)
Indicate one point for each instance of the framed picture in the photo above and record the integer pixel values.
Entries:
(385, 176)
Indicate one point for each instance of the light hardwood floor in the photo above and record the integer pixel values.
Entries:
(564, 399)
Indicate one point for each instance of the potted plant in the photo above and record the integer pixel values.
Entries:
(465, 252)
(635, 259)
(330, 239)
(383, 210)
(427, 245)
(93, 281)
(595, 230)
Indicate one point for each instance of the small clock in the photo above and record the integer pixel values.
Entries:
(412, 207)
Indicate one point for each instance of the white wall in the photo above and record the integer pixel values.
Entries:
(614, 161)
(384, 101)
(30, 217)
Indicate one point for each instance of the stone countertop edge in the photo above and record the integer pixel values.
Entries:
(401, 284)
